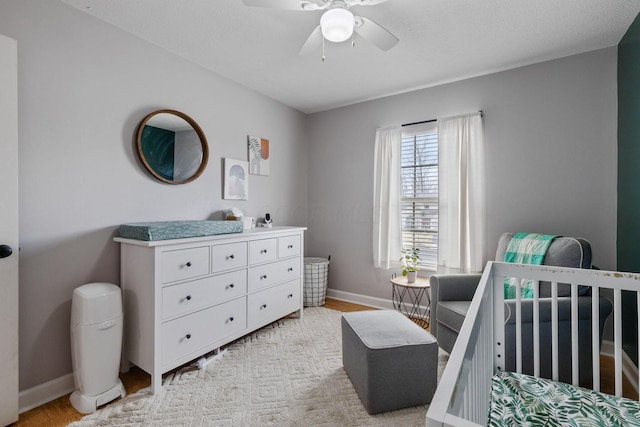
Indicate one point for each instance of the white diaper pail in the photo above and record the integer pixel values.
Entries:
(96, 344)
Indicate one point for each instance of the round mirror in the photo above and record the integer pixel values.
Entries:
(172, 146)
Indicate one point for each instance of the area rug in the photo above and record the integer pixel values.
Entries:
(288, 373)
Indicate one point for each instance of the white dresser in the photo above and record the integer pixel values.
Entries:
(186, 297)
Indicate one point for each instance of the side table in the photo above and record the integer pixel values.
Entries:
(407, 298)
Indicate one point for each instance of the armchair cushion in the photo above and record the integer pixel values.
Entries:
(452, 313)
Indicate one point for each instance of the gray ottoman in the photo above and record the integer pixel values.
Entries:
(391, 361)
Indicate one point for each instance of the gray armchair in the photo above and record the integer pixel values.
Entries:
(451, 296)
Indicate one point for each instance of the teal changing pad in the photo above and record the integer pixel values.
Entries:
(165, 230)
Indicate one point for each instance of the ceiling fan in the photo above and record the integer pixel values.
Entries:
(337, 23)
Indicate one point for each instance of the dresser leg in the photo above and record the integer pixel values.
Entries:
(156, 382)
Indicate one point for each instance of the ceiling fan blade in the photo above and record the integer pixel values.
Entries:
(314, 41)
(364, 2)
(374, 33)
(284, 4)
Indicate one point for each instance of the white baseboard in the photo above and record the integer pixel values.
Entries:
(45, 393)
(373, 302)
(629, 369)
(360, 299)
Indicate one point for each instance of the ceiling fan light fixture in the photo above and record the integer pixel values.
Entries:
(337, 24)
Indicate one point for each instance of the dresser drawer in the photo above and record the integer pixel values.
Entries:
(186, 335)
(185, 264)
(289, 246)
(262, 276)
(262, 251)
(229, 256)
(266, 306)
(198, 294)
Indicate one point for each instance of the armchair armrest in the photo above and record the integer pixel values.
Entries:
(454, 287)
(450, 287)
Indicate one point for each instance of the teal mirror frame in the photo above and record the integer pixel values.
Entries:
(156, 146)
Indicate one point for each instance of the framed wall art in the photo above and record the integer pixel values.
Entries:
(236, 179)
(258, 155)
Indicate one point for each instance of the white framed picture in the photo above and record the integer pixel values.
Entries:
(258, 155)
(236, 179)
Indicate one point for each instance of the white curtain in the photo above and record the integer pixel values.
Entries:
(387, 224)
(462, 224)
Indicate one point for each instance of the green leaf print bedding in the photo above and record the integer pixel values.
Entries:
(522, 400)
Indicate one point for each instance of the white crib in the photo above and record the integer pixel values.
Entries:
(464, 391)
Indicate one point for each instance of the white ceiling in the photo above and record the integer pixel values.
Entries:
(440, 41)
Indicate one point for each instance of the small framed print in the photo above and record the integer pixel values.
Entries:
(258, 155)
(236, 179)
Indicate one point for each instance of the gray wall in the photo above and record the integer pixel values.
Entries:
(550, 133)
(83, 88)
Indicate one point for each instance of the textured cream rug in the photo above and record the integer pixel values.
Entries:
(288, 373)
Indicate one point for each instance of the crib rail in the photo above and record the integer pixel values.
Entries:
(463, 393)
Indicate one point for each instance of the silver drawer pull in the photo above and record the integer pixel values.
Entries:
(263, 306)
(290, 247)
(188, 297)
(263, 277)
(188, 336)
(188, 264)
(231, 319)
(264, 251)
(230, 286)
(290, 269)
(231, 256)
(289, 296)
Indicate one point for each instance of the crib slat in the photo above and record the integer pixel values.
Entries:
(536, 329)
(499, 348)
(554, 331)
(487, 352)
(519, 325)
(575, 366)
(617, 332)
(595, 336)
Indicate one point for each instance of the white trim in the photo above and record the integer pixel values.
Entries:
(360, 299)
(430, 127)
(629, 369)
(45, 393)
(373, 302)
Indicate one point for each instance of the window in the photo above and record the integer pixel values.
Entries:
(419, 203)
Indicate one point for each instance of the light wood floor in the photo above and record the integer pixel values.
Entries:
(59, 412)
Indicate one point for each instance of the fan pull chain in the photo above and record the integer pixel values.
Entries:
(323, 57)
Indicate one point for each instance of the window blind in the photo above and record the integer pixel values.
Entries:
(419, 204)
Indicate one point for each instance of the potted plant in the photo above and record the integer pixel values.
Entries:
(410, 259)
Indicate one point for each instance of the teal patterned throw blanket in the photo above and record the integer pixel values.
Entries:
(525, 248)
(522, 400)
